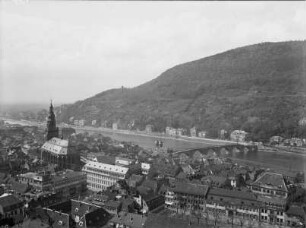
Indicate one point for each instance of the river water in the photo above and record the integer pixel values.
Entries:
(282, 160)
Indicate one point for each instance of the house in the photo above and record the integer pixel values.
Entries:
(149, 128)
(270, 184)
(128, 220)
(145, 168)
(272, 209)
(233, 202)
(115, 126)
(193, 132)
(238, 136)
(202, 134)
(93, 122)
(123, 161)
(11, 208)
(74, 213)
(185, 195)
(295, 216)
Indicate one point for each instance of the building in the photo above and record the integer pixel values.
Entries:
(149, 128)
(93, 122)
(128, 220)
(39, 181)
(52, 130)
(75, 214)
(233, 203)
(11, 208)
(186, 195)
(202, 134)
(101, 175)
(270, 184)
(272, 209)
(193, 132)
(115, 126)
(60, 152)
(68, 183)
(238, 136)
(145, 168)
(123, 161)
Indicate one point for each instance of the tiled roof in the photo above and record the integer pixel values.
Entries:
(56, 146)
(296, 211)
(189, 188)
(273, 200)
(129, 219)
(9, 202)
(272, 179)
(160, 221)
(106, 167)
(232, 194)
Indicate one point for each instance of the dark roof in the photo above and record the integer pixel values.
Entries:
(232, 194)
(129, 219)
(272, 179)
(113, 204)
(190, 188)
(272, 200)
(10, 202)
(296, 211)
(162, 221)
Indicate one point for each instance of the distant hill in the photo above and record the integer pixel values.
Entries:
(260, 88)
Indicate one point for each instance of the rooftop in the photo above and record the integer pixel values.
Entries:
(106, 167)
(190, 188)
(129, 219)
(272, 179)
(56, 145)
(232, 194)
(9, 201)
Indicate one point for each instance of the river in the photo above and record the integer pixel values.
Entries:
(282, 160)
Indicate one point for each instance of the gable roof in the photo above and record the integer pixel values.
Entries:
(275, 180)
(190, 188)
(9, 202)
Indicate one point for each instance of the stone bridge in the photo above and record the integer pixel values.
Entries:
(219, 150)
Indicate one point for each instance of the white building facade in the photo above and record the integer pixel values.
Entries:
(100, 175)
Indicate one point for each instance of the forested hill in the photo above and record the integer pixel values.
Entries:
(260, 88)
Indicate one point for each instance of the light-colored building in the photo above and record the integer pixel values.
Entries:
(115, 126)
(68, 183)
(94, 122)
(149, 128)
(238, 136)
(202, 134)
(82, 122)
(123, 161)
(145, 168)
(193, 132)
(100, 175)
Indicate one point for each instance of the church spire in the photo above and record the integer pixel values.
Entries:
(52, 130)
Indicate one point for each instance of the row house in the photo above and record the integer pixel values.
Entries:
(272, 209)
(186, 196)
(233, 203)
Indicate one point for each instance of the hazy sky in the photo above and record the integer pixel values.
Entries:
(72, 50)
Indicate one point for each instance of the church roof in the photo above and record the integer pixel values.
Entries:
(56, 146)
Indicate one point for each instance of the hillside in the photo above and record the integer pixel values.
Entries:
(259, 88)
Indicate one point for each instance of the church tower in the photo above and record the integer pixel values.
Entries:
(52, 130)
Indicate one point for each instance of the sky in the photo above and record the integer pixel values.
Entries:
(71, 50)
